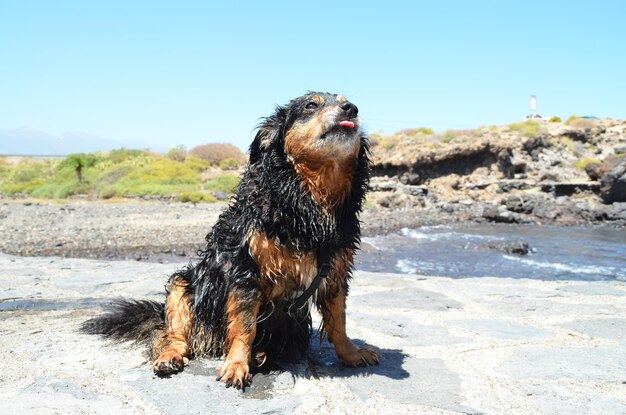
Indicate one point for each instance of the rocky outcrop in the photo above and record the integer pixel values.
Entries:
(542, 173)
(613, 183)
(418, 167)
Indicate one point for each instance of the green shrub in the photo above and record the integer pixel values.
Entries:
(390, 142)
(177, 154)
(448, 136)
(4, 168)
(229, 163)
(214, 153)
(24, 177)
(107, 192)
(582, 123)
(61, 190)
(425, 131)
(118, 173)
(414, 132)
(581, 164)
(526, 128)
(225, 183)
(122, 154)
(196, 197)
(555, 119)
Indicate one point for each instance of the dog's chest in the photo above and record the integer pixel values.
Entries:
(284, 271)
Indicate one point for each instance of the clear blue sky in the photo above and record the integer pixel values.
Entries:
(169, 73)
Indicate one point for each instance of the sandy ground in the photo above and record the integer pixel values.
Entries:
(466, 346)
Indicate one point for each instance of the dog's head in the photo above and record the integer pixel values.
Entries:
(319, 136)
(315, 126)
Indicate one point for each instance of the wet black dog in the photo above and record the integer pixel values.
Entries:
(295, 208)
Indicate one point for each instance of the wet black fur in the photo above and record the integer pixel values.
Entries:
(269, 199)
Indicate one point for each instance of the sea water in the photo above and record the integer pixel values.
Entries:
(557, 253)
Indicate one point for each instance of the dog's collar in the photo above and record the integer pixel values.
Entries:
(323, 270)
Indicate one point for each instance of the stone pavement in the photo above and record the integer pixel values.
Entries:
(479, 345)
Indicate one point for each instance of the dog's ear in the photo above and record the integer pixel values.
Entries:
(269, 132)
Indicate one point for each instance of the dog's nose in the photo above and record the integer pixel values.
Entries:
(349, 108)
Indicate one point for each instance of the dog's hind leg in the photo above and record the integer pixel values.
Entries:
(242, 312)
(172, 346)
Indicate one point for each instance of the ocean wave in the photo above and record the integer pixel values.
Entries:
(377, 242)
(610, 272)
(424, 236)
(406, 266)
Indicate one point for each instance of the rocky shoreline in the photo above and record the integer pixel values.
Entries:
(161, 231)
(155, 230)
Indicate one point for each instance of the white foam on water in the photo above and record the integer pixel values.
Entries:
(609, 272)
(376, 242)
(406, 266)
(425, 236)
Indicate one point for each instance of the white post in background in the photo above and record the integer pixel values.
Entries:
(533, 104)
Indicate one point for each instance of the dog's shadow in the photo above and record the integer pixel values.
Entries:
(321, 361)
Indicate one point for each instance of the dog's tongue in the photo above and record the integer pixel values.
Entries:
(348, 124)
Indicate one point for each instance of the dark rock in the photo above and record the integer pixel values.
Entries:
(415, 191)
(581, 135)
(520, 204)
(446, 207)
(620, 150)
(505, 164)
(219, 195)
(615, 212)
(394, 200)
(613, 184)
(493, 214)
(519, 166)
(506, 186)
(598, 170)
(569, 188)
(383, 186)
(409, 178)
(593, 170)
(549, 177)
(534, 145)
(517, 247)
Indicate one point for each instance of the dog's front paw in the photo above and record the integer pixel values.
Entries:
(235, 373)
(359, 357)
(168, 362)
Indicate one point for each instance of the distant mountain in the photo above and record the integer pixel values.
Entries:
(28, 141)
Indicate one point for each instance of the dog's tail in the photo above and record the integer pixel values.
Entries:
(128, 320)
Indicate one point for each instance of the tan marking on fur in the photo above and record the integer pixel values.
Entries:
(241, 322)
(283, 270)
(341, 99)
(240, 334)
(174, 343)
(334, 317)
(325, 174)
(318, 99)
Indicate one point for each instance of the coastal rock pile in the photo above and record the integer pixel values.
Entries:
(522, 173)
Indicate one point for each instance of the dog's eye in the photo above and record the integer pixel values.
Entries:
(311, 105)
